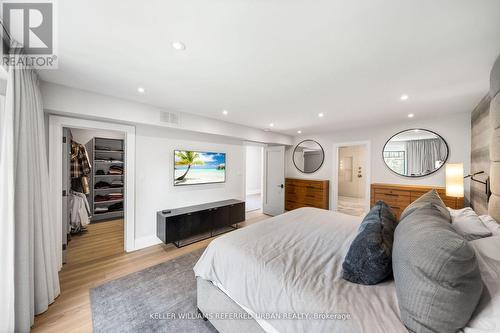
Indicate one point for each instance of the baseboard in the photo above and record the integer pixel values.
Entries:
(147, 241)
(251, 192)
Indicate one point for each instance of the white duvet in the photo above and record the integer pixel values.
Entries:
(290, 267)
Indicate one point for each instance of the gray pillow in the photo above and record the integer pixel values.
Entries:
(438, 283)
(430, 197)
(369, 259)
(468, 224)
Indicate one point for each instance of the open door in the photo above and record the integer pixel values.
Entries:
(66, 187)
(274, 180)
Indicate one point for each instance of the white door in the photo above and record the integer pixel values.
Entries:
(66, 187)
(274, 180)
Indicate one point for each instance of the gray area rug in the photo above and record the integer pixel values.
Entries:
(151, 300)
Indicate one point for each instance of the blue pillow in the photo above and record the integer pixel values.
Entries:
(369, 259)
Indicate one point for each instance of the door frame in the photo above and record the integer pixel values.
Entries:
(56, 125)
(335, 188)
(281, 149)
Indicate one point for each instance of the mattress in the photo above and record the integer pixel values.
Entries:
(286, 271)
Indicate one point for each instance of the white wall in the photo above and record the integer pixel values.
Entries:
(63, 100)
(454, 128)
(83, 136)
(155, 143)
(254, 169)
(154, 174)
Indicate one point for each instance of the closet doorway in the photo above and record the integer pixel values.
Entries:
(352, 178)
(93, 192)
(94, 171)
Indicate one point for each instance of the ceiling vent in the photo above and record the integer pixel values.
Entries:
(170, 117)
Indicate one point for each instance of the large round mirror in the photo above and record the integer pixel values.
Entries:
(308, 156)
(415, 153)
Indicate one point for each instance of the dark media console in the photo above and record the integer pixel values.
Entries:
(187, 225)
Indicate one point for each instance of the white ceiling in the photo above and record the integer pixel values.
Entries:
(283, 61)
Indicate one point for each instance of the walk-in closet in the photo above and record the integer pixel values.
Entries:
(93, 194)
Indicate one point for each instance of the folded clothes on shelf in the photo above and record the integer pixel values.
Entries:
(102, 184)
(115, 207)
(108, 160)
(108, 197)
(100, 172)
(115, 170)
(115, 196)
(100, 198)
(117, 183)
(100, 210)
(106, 148)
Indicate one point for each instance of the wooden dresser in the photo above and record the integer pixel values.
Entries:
(400, 196)
(306, 193)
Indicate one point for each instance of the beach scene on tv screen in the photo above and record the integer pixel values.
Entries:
(192, 167)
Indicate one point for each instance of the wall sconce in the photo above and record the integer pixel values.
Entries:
(486, 182)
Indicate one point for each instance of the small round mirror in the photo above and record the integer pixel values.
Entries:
(415, 153)
(308, 156)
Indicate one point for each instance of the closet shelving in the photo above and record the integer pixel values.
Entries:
(104, 153)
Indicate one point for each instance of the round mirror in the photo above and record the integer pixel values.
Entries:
(308, 156)
(415, 153)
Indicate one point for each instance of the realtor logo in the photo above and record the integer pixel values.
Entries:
(30, 28)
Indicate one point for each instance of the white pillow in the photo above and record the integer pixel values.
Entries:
(468, 224)
(486, 317)
(491, 224)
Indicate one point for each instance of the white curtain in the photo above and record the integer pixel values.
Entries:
(6, 221)
(422, 155)
(27, 216)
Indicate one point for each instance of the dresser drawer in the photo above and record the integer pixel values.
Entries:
(291, 205)
(393, 199)
(312, 201)
(398, 197)
(391, 192)
(306, 193)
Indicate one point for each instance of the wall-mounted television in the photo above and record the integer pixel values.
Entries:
(196, 167)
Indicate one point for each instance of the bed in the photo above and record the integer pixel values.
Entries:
(286, 270)
(291, 265)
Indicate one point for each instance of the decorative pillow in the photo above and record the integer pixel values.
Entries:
(438, 283)
(466, 222)
(369, 259)
(490, 223)
(486, 317)
(431, 197)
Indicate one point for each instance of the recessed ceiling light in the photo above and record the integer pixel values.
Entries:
(141, 90)
(224, 112)
(299, 131)
(178, 46)
(271, 125)
(416, 130)
(411, 115)
(404, 97)
(321, 114)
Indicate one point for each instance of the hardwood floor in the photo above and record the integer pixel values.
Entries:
(98, 257)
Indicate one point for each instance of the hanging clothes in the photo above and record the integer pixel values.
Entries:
(80, 168)
(80, 212)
